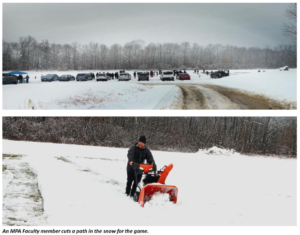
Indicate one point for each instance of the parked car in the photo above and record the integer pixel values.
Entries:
(219, 74)
(66, 77)
(167, 75)
(183, 76)
(81, 77)
(143, 76)
(128, 75)
(89, 76)
(124, 77)
(50, 78)
(9, 80)
(101, 77)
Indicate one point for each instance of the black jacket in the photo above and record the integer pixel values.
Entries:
(137, 155)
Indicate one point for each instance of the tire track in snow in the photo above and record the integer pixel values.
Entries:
(206, 96)
(193, 98)
(248, 100)
(216, 100)
(94, 174)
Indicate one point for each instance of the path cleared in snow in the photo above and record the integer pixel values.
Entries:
(22, 203)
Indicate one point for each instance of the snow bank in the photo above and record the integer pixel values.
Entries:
(271, 83)
(220, 151)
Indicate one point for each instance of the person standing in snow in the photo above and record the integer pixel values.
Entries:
(27, 78)
(137, 154)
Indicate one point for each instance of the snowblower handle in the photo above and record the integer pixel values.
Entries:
(147, 167)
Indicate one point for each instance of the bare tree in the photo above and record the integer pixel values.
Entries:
(28, 54)
(290, 30)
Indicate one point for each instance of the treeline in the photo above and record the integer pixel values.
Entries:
(251, 135)
(29, 54)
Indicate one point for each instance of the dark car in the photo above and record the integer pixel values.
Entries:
(89, 76)
(81, 77)
(219, 74)
(9, 80)
(183, 76)
(143, 76)
(50, 78)
(66, 77)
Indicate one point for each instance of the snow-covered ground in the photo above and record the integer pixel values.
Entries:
(273, 83)
(85, 185)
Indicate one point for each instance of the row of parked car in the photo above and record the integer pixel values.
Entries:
(108, 76)
(55, 77)
(169, 75)
(85, 77)
(142, 76)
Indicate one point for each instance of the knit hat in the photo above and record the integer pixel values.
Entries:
(142, 139)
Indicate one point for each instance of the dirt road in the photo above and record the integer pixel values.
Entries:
(206, 96)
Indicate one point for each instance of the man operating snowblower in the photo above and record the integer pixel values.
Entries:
(137, 154)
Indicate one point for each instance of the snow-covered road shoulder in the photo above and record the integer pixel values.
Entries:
(89, 95)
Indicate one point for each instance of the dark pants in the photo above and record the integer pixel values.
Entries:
(131, 178)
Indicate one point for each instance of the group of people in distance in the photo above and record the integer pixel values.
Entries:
(111, 75)
(21, 79)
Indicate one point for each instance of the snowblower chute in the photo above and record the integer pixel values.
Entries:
(153, 183)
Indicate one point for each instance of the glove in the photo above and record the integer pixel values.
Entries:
(136, 166)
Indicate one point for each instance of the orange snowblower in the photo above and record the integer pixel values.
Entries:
(153, 182)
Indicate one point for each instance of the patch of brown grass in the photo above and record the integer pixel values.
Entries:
(63, 159)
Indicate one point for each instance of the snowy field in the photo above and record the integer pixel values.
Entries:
(85, 185)
(279, 85)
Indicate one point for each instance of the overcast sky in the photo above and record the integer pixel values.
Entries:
(237, 24)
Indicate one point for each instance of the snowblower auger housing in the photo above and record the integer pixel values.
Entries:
(150, 188)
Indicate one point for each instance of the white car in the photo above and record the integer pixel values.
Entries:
(167, 75)
(124, 77)
(101, 77)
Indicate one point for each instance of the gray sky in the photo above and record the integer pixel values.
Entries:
(252, 24)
